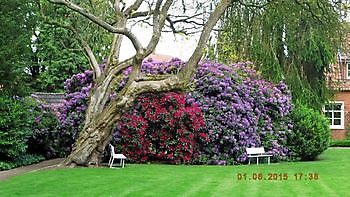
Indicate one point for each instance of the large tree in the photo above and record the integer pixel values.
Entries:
(35, 52)
(111, 18)
(17, 25)
(292, 40)
(56, 57)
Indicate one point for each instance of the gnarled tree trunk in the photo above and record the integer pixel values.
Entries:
(93, 139)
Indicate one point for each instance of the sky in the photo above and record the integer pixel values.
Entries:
(180, 46)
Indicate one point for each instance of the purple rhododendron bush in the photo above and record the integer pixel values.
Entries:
(239, 110)
(72, 113)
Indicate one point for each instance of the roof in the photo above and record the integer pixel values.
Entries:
(160, 57)
(336, 77)
(49, 98)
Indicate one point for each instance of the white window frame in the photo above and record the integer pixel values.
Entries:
(341, 126)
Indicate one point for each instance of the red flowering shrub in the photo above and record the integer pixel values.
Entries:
(162, 127)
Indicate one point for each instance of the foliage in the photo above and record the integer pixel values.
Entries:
(311, 133)
(58, 58)
(17, 24)
(161, 127)
(340, 143)
(241, 110)
(15, 127)
(21, 160)
(25, 127)
(17, 123)
(72, 113)
(289, 40)
(34, 51)
(46, 139)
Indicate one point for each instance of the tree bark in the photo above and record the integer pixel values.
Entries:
(91, 142)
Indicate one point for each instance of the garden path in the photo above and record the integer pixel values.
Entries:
(48, 164)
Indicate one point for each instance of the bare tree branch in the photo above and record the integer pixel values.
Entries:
(158, 24)
(124, 31)
(191, 27)
(186, 73)
(121, 21)
(140, 14)
(129, 11)
(119, 15)
(92, 58)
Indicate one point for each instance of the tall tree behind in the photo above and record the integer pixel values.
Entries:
(43, 55)
(291, 40)
(17, 24)
(59, 52)
(57, 57)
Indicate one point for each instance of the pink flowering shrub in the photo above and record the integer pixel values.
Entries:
(162, 127)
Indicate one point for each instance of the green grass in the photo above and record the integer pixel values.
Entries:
(333, 169)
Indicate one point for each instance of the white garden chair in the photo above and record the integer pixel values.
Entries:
(116, 156)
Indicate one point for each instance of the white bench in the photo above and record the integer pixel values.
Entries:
(256, 153)
(116, 156)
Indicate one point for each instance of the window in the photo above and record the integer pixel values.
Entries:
(348, 70)
(334, 111)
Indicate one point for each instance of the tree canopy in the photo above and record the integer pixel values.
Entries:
(17, 27)
(35, 55)
(292, 40)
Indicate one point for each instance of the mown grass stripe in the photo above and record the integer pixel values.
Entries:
(170, 180)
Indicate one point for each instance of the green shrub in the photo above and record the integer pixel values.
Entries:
(310, 135)
(6, 165)
(15, 127)
(46, 139)
(340, 143)
(21, 160)
(21, 129)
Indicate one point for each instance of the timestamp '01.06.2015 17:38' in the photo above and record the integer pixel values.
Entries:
(310, 176)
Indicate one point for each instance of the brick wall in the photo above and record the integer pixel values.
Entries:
(345, 97)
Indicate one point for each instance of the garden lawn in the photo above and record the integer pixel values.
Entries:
(332, 168)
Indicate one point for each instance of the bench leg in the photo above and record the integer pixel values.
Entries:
(257, 160)
(268, 160)
(123, 163)
(249, 161)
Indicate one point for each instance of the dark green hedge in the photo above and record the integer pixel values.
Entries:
(23, 129)
(340, 143)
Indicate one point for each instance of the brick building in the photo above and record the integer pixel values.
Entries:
(338, 111)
